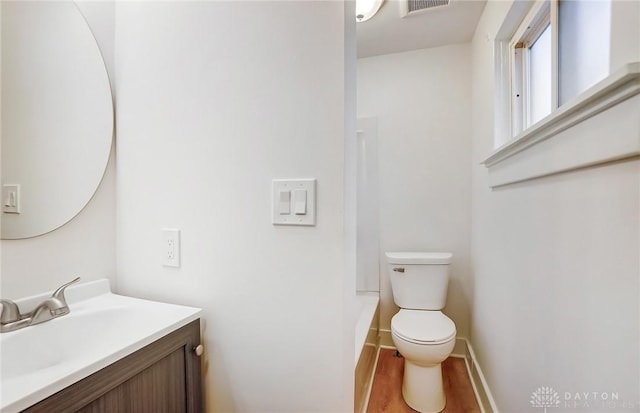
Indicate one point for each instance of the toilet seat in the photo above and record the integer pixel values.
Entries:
(423, 326)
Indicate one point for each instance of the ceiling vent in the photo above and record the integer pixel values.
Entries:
(410, 7)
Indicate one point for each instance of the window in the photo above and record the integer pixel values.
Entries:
(540, 77)
(584, 36)
(566, 88)
(560, 49)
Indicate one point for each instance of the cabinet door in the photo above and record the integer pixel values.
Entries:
(161, 377)
(159, 389)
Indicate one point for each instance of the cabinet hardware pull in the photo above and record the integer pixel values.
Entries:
(199, 349)
(398, 269)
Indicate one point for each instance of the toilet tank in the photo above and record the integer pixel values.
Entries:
(419, 280)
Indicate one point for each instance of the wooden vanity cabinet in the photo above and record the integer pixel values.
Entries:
(163, 377)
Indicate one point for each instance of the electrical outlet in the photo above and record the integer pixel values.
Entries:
(170, 247)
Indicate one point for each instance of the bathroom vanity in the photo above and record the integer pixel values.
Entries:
(162, 377)
(111, 353)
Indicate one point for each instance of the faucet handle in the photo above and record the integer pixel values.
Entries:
(9, 312)
(59, 293)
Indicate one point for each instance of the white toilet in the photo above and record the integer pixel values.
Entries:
(421, 332)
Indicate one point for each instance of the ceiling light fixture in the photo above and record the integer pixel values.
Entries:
(366, 9)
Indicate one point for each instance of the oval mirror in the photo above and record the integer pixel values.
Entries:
(57, 116)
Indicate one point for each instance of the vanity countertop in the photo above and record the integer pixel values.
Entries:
(38, 361)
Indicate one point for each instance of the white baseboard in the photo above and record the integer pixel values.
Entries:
(463, 350)
(385, 339)
(480, 387)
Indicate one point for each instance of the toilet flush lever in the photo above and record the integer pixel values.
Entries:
(398, 269)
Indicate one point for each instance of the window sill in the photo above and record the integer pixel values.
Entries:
(601, 125)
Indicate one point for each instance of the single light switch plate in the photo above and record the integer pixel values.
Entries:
(11, 198)
(302, 202)
(171, 247)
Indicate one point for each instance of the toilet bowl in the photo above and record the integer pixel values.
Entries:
(420, 331)
(425, 339)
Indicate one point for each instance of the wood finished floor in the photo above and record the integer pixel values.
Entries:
(386, 393)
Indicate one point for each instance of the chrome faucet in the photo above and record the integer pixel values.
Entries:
(52, 307)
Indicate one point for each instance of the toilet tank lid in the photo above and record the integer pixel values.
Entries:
(419, 257)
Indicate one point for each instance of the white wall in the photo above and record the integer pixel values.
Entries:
(215, 99)
(83, 247)
(625, 33)
(422, 102)
(555, 268)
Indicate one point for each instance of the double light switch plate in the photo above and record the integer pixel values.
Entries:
(294, 202)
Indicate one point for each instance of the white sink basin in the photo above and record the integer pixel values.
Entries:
(38, 361)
